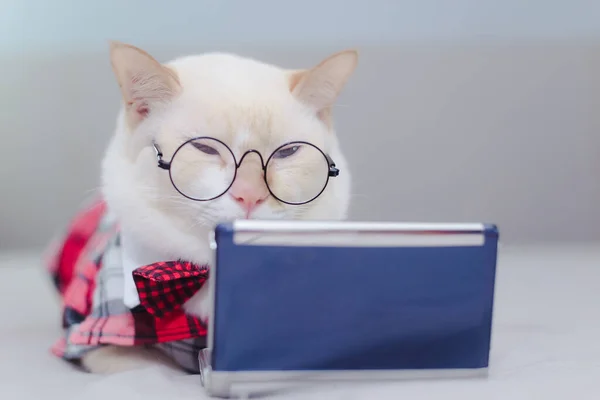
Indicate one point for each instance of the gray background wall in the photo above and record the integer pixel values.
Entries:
(469, 110)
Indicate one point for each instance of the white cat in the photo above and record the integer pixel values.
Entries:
(246, 104)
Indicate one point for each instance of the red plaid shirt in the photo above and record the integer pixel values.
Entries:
(91, 317)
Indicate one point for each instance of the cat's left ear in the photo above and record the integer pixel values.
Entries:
(320, 86)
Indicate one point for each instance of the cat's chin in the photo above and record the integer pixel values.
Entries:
(265, 212)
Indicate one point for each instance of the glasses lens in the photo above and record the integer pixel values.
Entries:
(203, 169)
(297, 173)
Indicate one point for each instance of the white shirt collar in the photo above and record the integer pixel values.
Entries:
(134, 255)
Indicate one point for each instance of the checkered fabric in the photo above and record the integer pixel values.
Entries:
(85, 264)
(165, 286)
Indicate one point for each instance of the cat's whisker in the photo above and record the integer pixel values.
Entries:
(97, 189)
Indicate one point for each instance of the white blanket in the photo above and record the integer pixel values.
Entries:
(545, 344)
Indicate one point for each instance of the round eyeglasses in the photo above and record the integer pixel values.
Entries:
(204, 168)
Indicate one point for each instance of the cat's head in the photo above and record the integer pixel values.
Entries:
(249, 110)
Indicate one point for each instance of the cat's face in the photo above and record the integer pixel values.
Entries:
(245, 111)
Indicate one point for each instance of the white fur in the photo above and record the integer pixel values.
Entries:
(247, 104)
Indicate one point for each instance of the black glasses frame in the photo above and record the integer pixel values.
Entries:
(166, 165)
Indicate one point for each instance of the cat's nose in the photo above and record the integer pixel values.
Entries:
(248, 196)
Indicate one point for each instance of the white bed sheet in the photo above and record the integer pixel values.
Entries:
(546, 340)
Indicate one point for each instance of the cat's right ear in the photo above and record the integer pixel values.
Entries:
(145, 83)
(320, 86)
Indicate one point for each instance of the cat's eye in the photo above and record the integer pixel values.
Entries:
(206, 149)
(286, 152)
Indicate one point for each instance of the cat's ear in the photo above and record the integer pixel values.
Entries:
(320, 86)
(144, 82)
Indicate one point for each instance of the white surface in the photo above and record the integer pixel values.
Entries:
(546, 340)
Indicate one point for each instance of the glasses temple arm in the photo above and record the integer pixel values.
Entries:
(333, 171)
(161, 163)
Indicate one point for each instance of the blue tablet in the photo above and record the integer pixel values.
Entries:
(303, 301)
